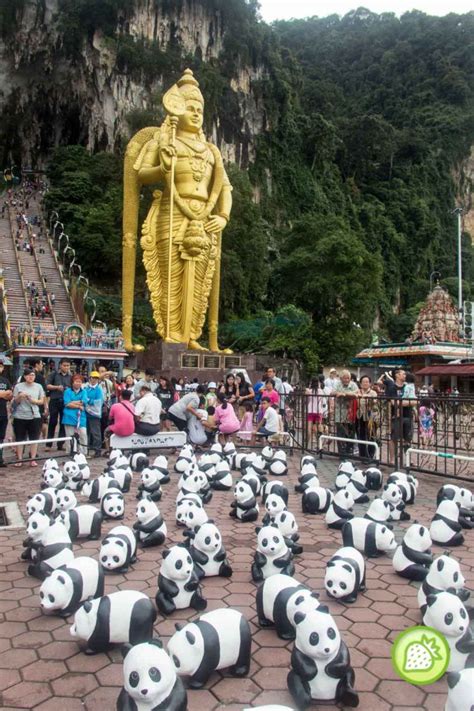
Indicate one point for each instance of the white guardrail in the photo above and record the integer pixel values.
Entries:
(440, 455)
(347, 439)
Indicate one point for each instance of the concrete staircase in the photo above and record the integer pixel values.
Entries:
(15, 292)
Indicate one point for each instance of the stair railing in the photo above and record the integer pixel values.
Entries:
(20, 269)
(43, 282)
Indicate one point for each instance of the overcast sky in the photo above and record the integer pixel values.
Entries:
(285, 9)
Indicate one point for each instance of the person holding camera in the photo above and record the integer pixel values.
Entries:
(28, 397)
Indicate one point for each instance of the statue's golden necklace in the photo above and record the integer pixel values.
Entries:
(199, 157)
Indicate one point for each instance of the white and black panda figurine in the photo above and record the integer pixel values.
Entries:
(308, 478)
(256, 480)
(272, 555)
(274, 505)
(444, 574)
(244, 507)
(150, 682)
(320, 662)
(407, 489)
(345, 575)
(190, 511)
(124, 617)
(95, 489)
(275, 487)
(286, 524)
(278, 465)
(392, 493)
(308, 459)
(267, 454)
(48, 543)
(229, 452)
(379, 511)
(447, 614)
(208, 552)
(118, 550)
(460, 690)
(150, 528)
(50, 463)
(278, 599)
(239, 460)
(84, 468)
(122, 474)
(195, 482)
(178, 583)
(464, 498)
(114, 455)
(413, 557)
(150, 484)
(222, 477)
(368, 537)
(344, 473)
(46, 501)
(316, 500)
(185, 459)
(73, 476)
(66, 500)
(138, 462)
(66, 588)
(53, 478)
(356, 486)
(83, 522)
(112, 504)
(374, 478)
(445, 529)
(160, 465)
(340, 509)
(220, 639)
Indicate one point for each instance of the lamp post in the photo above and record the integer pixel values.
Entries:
(458, 211)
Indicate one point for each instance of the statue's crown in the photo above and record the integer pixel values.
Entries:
(189, 86)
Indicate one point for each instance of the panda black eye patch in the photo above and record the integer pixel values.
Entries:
(265, 542)
(448, 618)
(179, 564)
(332, 631)
(207, 540)
(314, 639)
(133, 679)
(154, 674)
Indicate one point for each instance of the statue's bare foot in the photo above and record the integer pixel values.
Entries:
(215, 349)
(195, 346)
(172, 340)
(133, 347)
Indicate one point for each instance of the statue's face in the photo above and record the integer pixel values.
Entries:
(192, 118)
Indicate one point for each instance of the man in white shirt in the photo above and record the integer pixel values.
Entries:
(148, 381)
(147, 412)
(269, 423)
(332, 381)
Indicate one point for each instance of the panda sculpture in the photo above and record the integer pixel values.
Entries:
(124, 617)
(278, 465)
(222, 477)
(150, 484)
(308, 478)
(256, 480)
(278, 599)
(122, 473)
(274, 504)
(195, 482)
(95, 489)
(308, 459)
(138, 461)
(316, 500)
(272, 555)
(178, 583)
(392, 493)
(344, 474)
(374, 478)
(345, 575)
(356, 486)
(190, 511)
(150, 528)
(114, 455)
(83, 522)
(112, 504)
(286, 524)
(160, 466)
(244, 507)
(275, 487)
(320, 662)
(220, 639)
(46, 501)
(150, 680)
(65, 500)
(368, 537)
(73, 476)
(229, 453)
(444, 574)
(413, 558)
(49, 544)
(66, 588)
(185, 459)
(267, 454)
(50, 463)
(379, 511)
(84, 468)
(118, 550)
(53, 478)
(340, 509)
(464, 498)
(447, 614)
(407, 489)
(208, 552)
(460, 690)
(445, 529)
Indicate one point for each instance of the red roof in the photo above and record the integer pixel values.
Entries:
(453, 369)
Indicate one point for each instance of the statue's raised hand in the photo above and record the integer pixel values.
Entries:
(167, 153)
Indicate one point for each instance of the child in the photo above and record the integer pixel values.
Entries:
(226, 419)
(269, 423)
(425, 422)
(246, 424)
(211, 397)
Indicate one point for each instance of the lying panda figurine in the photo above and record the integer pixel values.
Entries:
(222, 477)
(444, 574)
(220, 639)
(149, 527)
(413, 557)
(66, 588)
(178, 583)
(95, 489)
(445, 529)
(272, 555)
(374, 478)
(244, 507)
(368, 537)
(275, 487)
(150, 680)
(118, 550)
(208, 552)
(190, 511)
(320, 662)
(48, 543)
(83, 522)
(150, 485)
(138, 461)
(316, 500)
(46, 501)
(124, 617)
(464, 498)
(447, 614)
(460, 690)
(340, 509)
(379, 511)
(112, 504)
(278, 465)
(345, 575)
(278, 599)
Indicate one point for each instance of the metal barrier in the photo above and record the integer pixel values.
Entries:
(441, 455)
(369, 443)
(72, 450)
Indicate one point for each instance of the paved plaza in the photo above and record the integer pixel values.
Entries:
(41, 667)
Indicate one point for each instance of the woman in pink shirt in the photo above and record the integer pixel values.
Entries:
(226, 419)
(122, 417)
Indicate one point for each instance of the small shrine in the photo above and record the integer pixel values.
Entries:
(438, 320)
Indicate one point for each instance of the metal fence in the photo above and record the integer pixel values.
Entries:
(438, 430)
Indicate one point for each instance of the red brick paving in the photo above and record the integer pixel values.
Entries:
(42, 668)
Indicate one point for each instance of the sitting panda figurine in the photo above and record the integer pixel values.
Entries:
(344, 474)
(407, 489)
(83, 522)
(379, 511)
(465, 500)
(267, 454)
(222, 477)
(278, 465)
(460, 690)
(320, 662)
(413, 557)
(286, 524)
(316, 499)
(368, 537)
(256, 480)
(345, 575)
(447, 614)
(340, 509)
(272, 555)
(138, 461)
(46, 501)
(112, 504)
(278, 599)
(308, 478)
(118, 550)
(160, 466)
(195, 482)
(81, 461)
(229, 453)
(444, 574)
(53, 479)
(275, 487)
(150, 682)
(178, 583)
(66, 500)
(445, 529)
(50, 463)
(274, 505)
(190, 511)
(374, 478)
(48, 543)
(356, 486)
(150, 528)
(122, 473)
(95, 489)
(208, 552)
(220, 639)
(73, 476)
(185, 459)
(244, 507)
(66, 588)
(150, 485)
(114, 454)
(124, 617)
(393, 494)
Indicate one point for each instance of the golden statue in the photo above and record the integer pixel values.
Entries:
(181, 235)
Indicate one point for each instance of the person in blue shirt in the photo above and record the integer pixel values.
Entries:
(95, 401)
(74, 416)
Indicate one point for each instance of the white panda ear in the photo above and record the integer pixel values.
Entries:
(431, 599)
(190, 637)
(125, 648)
